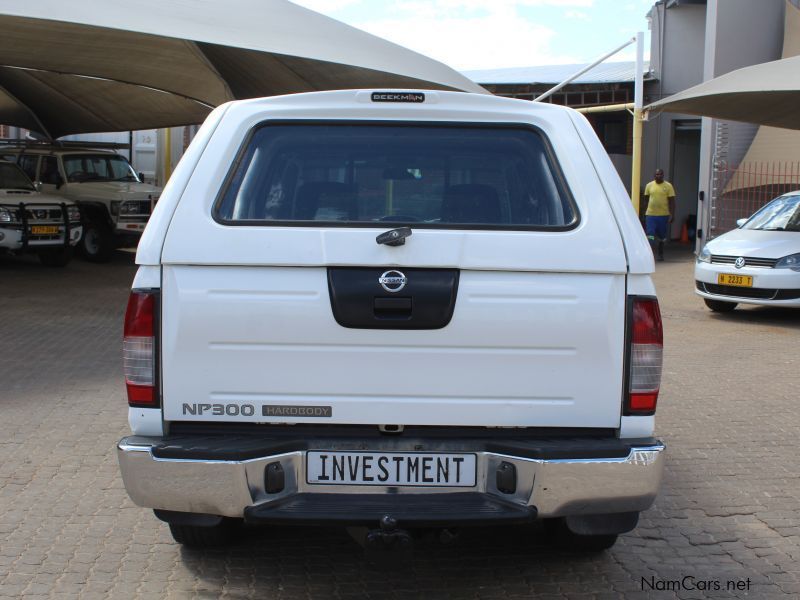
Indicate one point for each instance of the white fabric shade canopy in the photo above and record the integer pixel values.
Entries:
(766, 94)
(112, 65)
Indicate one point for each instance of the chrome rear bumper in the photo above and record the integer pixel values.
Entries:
(552, 487)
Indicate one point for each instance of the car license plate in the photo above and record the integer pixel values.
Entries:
(44, 229)
(735, 280)
(391, 469)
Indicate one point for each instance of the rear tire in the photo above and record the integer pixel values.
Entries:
(564, 539)
(56, 258)
(97, 242)
(719, 305)
(199, 537)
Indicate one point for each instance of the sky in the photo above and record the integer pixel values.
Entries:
(490, 34)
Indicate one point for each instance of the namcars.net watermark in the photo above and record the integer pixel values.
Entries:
(693, 583)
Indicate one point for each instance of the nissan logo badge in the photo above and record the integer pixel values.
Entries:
(739, 262)
(392, 281)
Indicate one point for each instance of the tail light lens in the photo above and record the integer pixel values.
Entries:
(646, 356)
(138, 349)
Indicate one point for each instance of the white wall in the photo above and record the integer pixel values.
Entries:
(738, 33)
(679, 63)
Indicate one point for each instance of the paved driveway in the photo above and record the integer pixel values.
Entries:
(729, 510)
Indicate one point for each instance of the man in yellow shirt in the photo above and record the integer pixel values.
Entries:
(660, 211)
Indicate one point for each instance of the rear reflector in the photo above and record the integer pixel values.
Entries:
(138, 349)
(646, 355)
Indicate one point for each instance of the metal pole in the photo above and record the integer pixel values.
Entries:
(571, 78)
(168, 154)
(638, 98)
(605, 108)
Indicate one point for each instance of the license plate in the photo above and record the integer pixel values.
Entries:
(44, 229)
(735, 280)
(419, 469)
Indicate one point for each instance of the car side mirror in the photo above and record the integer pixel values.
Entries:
(740, 222)
(141, 176)
(59, 181)
(38, 186)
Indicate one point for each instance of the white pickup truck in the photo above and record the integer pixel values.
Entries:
(393, 309)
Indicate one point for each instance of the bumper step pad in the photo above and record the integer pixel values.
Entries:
(469, 508)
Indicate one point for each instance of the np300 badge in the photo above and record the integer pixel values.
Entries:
(392, 281)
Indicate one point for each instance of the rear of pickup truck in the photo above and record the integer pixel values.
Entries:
(435, 311)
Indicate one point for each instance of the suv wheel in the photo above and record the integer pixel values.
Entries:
(719, 305)
(97, 242)
(563, 538)
(56, 258)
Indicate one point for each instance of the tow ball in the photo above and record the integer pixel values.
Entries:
(388, 537)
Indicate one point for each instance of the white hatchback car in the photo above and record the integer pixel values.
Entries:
(758, 263)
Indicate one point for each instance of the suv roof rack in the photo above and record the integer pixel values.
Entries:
(63, 144)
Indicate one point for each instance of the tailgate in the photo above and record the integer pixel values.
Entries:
(521, 349)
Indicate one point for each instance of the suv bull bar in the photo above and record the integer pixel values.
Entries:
(23, 220)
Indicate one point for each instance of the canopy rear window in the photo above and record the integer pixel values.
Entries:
(428, 176)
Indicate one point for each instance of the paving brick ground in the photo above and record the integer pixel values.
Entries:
(729, 509)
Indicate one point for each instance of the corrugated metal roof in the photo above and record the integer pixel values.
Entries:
(611, 72)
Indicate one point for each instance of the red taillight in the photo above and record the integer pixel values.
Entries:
(138, 349)
(646, 355)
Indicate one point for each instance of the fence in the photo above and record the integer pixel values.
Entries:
(740, 190)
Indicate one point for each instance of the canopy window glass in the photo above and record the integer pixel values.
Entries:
(428, 176)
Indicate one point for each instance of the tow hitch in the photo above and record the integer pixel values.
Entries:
(389, 543)
(388, 537)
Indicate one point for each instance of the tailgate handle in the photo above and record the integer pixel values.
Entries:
(392, 308)
(394, 237)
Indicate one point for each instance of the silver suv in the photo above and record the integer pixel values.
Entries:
(114, 202)
(31, 222)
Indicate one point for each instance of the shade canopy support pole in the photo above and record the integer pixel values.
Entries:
(589, 67)
(638, 98)
(606, 108)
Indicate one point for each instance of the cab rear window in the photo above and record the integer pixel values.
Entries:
(423, 175)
